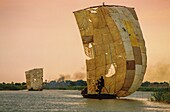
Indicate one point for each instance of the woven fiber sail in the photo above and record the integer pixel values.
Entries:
(114, 45)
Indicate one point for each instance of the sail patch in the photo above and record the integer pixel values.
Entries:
(111, 71)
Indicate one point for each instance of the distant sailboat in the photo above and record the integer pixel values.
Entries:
(34, 79)
(115, 47)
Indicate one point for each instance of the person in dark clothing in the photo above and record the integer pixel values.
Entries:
(100, 85)
(84, 91)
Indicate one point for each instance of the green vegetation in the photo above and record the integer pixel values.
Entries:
(12, 86)
(68, 88)
(155, 86)
(80, 84)
(66, 85)
(161, 96)
(161, 91)
(62, 85)
(153, 89)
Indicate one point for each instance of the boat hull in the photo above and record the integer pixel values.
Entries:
(101, 96)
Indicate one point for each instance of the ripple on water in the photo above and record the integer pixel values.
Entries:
(65, 100)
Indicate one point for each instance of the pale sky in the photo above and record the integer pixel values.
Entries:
(44, 33)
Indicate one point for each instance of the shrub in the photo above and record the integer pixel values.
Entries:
(161, 96)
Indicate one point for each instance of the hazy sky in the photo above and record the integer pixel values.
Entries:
(44, 33)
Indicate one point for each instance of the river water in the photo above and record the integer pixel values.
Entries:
(72, 101)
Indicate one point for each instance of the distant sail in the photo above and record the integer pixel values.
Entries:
(34, 79)
(115, 47)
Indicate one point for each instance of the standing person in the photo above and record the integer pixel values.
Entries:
(100, 85)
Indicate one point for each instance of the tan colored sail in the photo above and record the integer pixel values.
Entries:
(34, 79)
(113, 41)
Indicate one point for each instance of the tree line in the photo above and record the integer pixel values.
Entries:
(79, 84)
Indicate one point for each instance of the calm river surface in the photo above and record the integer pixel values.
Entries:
(72, 101)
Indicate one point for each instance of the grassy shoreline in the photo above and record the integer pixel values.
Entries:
(67, 88)
(161, 97)
(23, 87)
(12, 87)
(153, 89)
(159, 94)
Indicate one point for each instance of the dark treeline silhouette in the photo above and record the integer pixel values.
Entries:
(80, 84)
(68, 84)
(154, 86)
(13, 86)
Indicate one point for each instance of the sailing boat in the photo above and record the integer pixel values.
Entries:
(114, 45)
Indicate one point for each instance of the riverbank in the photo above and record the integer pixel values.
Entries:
(161, 96)
(153, 89)
(19, 86)
(66, 88)
(16, 86)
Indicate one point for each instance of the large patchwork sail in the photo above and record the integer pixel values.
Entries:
(114, 44)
